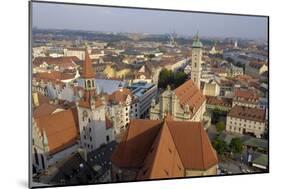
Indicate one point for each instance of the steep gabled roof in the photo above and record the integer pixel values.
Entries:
(189, 94)
(163, 149)
(88, 71)
(61, 129)
(163, 160)
(193, 144)
(137, 141)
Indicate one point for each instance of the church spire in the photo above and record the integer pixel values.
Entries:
(197, 43)
(88, 71)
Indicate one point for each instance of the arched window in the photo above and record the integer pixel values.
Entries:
(93, 83)
(89, 83)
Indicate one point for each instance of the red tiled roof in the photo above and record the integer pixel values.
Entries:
(193, 144)
(189, 94)
(137, 140)
(88, 71)
(62, 61)
(246, 94)
(61, 129)
(45, 109)
(157, 167)
(157, 140)
(119, 96)
(53, 76)
(219, 101)
(242, 112)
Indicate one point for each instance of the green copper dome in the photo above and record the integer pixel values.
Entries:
(197, 43)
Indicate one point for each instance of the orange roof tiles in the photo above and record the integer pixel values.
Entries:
(62, 61)
(193, 145)
(136, 142)
(45, 109)
(61, 129)
(119, 96)
(219, 101)
(157, 167)
(87, 67)
(164, 149)
(42, 99)
(53, 76)
(242, 112)
(189, 94)
(246, 94)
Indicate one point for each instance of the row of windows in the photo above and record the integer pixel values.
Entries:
(90, 129)
(243, 120)
(86, 138)
(254, 127)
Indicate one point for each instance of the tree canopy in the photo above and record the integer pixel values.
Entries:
(219, 145)
(236, 145)
(220, 126)
(168, 77)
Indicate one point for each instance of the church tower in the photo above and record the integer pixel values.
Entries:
(88, 73)
(196, 61)
(91, 111)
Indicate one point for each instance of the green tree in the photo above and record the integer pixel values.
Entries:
(236, 145)
(216, 115)
(219, 145)
(220, 126)
(179, 78)
(174, 79)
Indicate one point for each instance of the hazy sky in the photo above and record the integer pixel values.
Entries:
(62, 16)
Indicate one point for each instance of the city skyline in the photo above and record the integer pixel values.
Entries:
(107, 19)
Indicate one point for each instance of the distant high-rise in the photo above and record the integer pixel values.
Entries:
(196, 61)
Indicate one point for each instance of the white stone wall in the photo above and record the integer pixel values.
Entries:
(93, 132)
(120, 114)
(237, 125)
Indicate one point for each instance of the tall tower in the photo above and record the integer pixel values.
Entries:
(91, 111)
(88, 73)
(196, 61)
